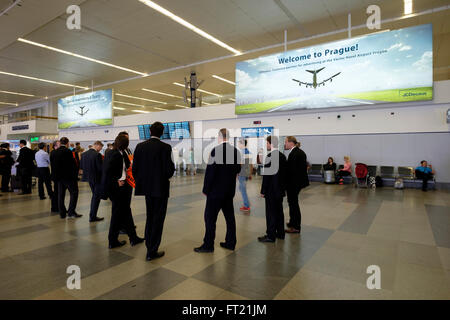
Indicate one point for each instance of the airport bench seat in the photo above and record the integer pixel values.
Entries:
(315, 173)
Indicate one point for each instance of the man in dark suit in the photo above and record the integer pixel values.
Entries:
(152, 168)
(91, 163)
(26, 166)
(55, 199)
(219, 186)
(273, 190)
(6, 163)
(66, 175)
(297, 179)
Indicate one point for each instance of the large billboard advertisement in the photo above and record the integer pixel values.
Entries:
(391, 66)
(90, 109)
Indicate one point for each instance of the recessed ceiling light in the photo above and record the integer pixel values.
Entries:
(162, 109)
(232, 99)
(18, 93)
(162, 93)
(408, 6)
(223, 79)
(133, 97)
(43, 80)
(186, 107)
(80, 56)
(9, 103)
(118, 108)
(141, 111)
(204, 91)
(130, 104)
(188, 25)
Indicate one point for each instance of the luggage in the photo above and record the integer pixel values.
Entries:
(16, 183)
(372, 183)
(329, 176)
(398, 183)
(378, 182)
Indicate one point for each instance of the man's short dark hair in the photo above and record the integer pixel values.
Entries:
(23, 142)
(124, 132)
(157, 129)
(421, 162)
(224, 133)
(273, 140)
(77, 144)
(41, 146)
(121, 143)
(4, 145)
(99, 143)
(64, 141)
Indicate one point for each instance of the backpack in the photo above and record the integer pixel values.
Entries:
(378, 182)
(371, 182)
(398, 183)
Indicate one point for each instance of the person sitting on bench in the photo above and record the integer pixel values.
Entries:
(424, 172)
(346, 171)
(330, 165)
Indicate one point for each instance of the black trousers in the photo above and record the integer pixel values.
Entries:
(95, 202)
(55, 199)
(274, 217)
(156, 214)
(295, 215)
(72, 186)
(213, 206)
(26, 179)
(121, 217)
(424, 177)
(6, 178)
(44, 178)
(342, 173)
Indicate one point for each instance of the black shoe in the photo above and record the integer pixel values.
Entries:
(76, 215)
(227, 246)
(202, 249)
(96, 219)
(43, 198)
(265, 239)
(280, 237)
(293, 230)
(63, 217)
(54, 210)
(155, 255)
(117, 244)
(136, 241)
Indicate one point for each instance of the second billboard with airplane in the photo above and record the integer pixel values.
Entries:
(391, 66)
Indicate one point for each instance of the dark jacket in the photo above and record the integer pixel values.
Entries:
(223, 166)
(26, 158)
(274, 174)
(152, 168)
(91, 163)
(112, 172)
(7, 162)
(297, 175)
(329, 167)
(64, 167)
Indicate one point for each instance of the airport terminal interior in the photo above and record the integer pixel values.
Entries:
(361, 88)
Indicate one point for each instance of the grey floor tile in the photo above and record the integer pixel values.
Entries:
(361, 218)
(439, 217)
(21, 231)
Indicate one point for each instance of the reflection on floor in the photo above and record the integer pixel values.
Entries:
(404, 232)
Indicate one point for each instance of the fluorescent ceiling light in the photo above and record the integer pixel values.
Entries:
(130, 104)
(133, 97)
(17, 93)
(162, 109)
(141, 111)
(188, 25)
(178, 105)
(118, 108)
(80, 56)
(223, 79)
(408, 6)
(232, 99)
(204, 91)
(162, 93)
(43, 80)
(9, 103)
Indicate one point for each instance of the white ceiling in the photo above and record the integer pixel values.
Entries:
(132, 35)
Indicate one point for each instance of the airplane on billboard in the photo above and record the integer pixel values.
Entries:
(314, 83)
(82, 112)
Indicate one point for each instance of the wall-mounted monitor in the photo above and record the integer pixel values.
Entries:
(256, 132)
(91, 109)
(386, 67)
(172, 130)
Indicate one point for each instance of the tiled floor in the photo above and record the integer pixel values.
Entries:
(404, 232)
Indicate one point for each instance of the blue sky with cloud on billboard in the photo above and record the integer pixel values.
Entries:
(407, 63)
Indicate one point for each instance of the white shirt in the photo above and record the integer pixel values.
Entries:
(124, 170)
(42, 159)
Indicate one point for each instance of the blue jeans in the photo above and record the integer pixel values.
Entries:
(243, 189)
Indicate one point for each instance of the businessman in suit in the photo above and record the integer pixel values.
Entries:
(273, 190)
(91, 164)
(297, 180)
(152, 168)
(55, 199)
(115, 186)
(65, 172)
(219, 186)
(26, 166)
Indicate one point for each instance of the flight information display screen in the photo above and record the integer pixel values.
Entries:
(172, 130)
